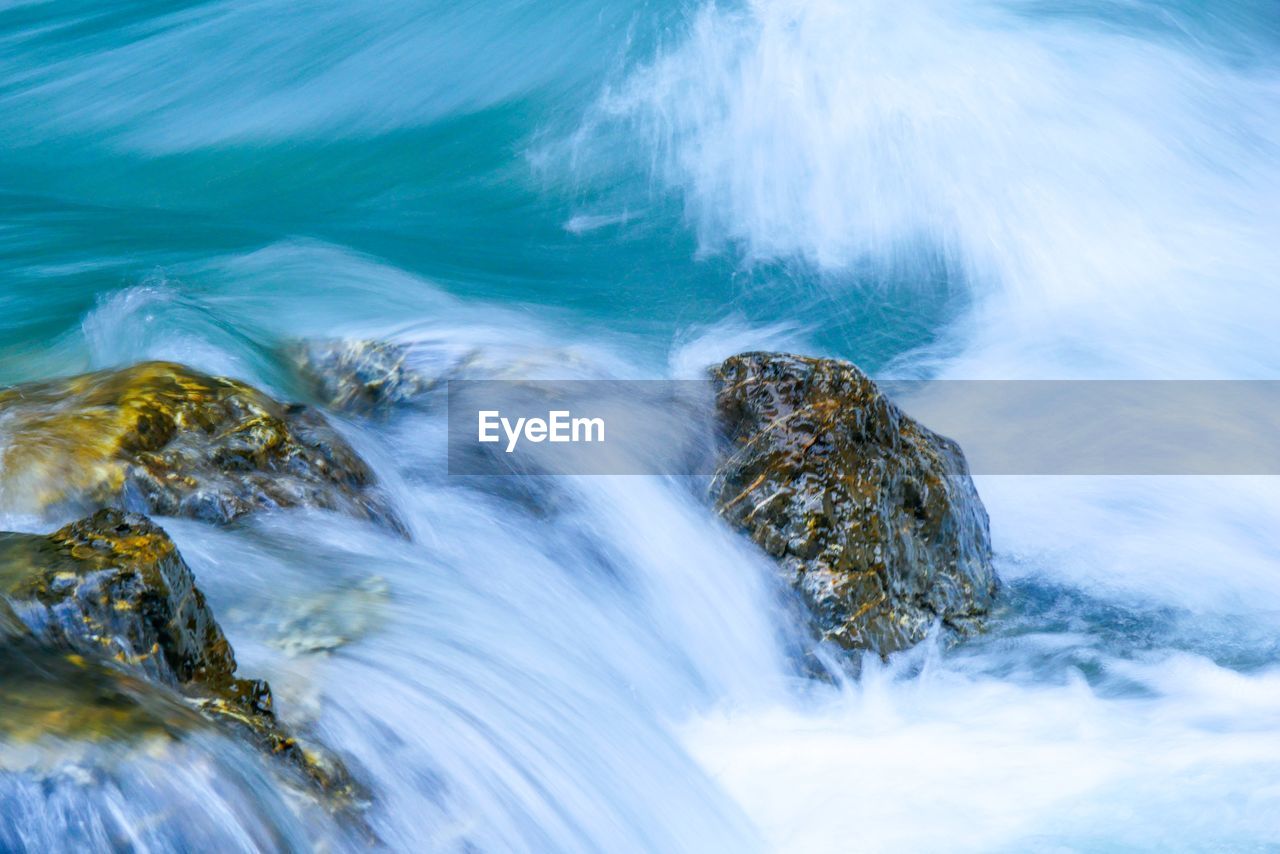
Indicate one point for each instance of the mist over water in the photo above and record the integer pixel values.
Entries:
(953, 190)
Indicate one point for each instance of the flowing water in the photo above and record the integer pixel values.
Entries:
(944, 188)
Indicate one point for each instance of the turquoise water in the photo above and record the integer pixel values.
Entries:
(956, 189)
(434, 140)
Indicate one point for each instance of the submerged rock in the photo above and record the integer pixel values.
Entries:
(50, 693)
(112, 597)
(359, 375)
(330, 619)
(873, 518)
(367, 376)
(162, 438)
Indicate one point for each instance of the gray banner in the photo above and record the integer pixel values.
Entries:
(1005, 427)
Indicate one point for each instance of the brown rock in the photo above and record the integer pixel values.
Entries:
(872, 517)
(161, 438)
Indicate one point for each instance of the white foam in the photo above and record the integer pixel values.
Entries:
(1108, 198)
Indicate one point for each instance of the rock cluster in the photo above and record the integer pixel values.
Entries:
(103, 631)
(105, 634)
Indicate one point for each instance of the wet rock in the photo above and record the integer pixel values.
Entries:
(359, 375)
(872, 517)
(109, 606)
(164, 439)
(46, 692)
(375, 377)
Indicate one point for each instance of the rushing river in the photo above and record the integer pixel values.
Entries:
(943, 188)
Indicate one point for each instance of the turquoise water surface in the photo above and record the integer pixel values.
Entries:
(961, 189)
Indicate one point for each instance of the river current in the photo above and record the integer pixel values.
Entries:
(956, 189)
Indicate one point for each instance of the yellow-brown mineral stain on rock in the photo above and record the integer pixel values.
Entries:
(873, 518)
(116, 609)
(49, 693)
(162, 438)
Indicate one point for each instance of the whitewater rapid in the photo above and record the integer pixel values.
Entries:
(944, 189)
